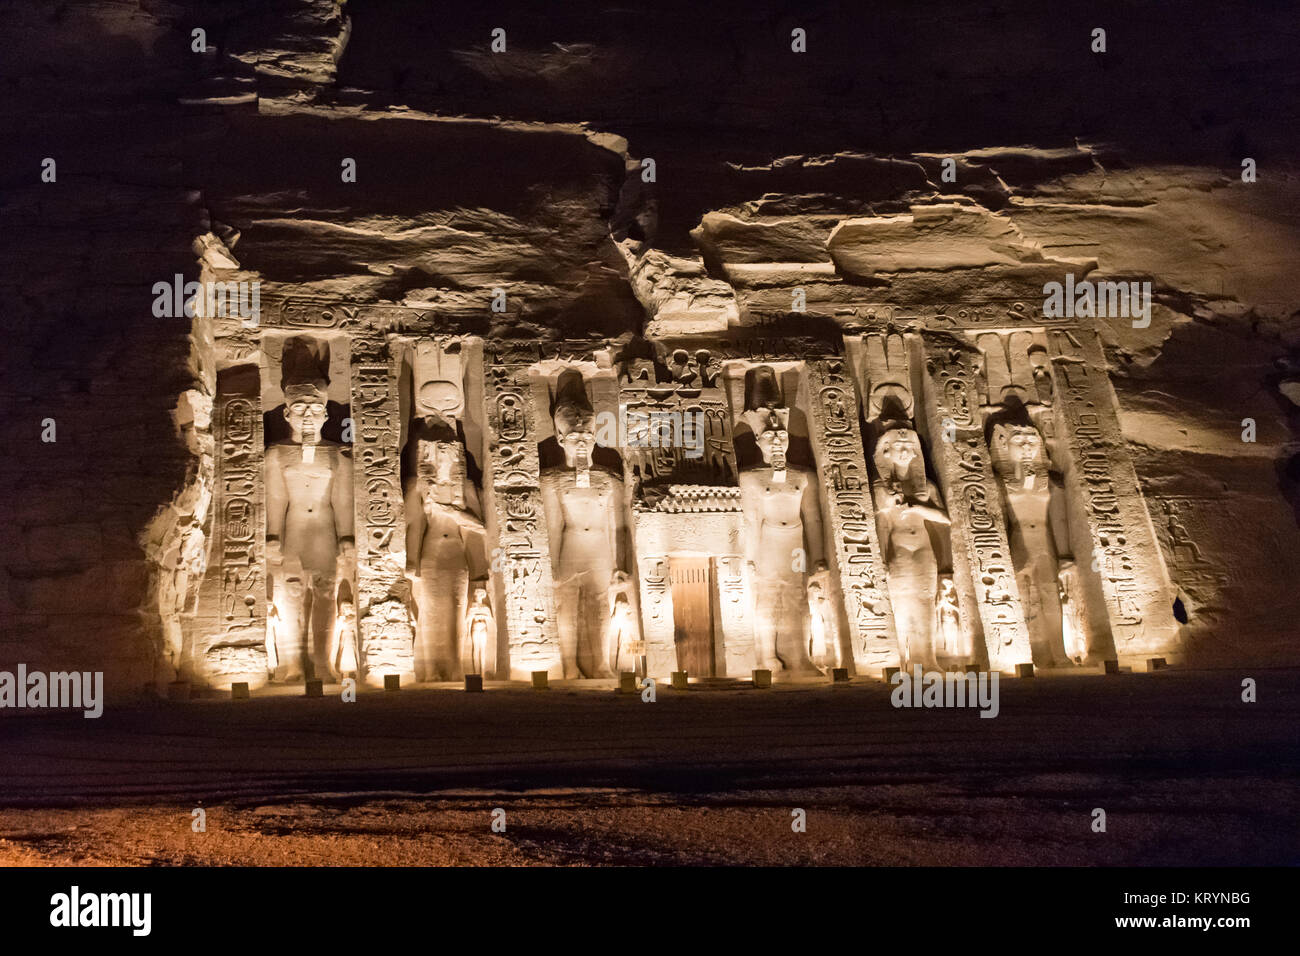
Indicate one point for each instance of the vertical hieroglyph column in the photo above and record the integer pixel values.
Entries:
(981, 553)
(230, 624)
(521, 560)
(384, 623)
(854, 555)
(657, 614)
(734, 618)
(1126, 553)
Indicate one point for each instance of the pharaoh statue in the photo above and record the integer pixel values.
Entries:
(907, 503)
(444, 550)
(1035, 509)
(445, 535)
(783, 532)
(309, 519)
(587, 529)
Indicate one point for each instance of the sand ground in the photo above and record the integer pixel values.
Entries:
(1187, 773)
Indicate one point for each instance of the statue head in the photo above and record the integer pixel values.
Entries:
(768, 417)
(898, 456)
(480, 596)
(304, 378)
(575, 428)
(304, 409)
(1018, 451)
(576, 433)
(774, 440)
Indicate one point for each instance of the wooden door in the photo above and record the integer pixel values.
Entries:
(692, 583)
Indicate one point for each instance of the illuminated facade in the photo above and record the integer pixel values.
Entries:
(392, 495)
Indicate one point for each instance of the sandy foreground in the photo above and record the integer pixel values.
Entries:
(1186, 772)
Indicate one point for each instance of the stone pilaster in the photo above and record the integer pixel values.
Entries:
(854, 554)
(521, 561)
(1125, 551)
(981, 553)
(229, 628)
(734, 616)
(384, 625)
(656, 595)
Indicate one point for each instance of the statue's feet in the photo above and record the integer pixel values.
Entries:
(804, 669)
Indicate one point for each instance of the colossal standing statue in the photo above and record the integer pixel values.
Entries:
(445, 551)
(1018, 422)
(783, 533)
(906, 503)
(1035, 512)
(587, 530)
(309, 537)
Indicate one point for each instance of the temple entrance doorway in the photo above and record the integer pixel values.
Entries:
(692, 580)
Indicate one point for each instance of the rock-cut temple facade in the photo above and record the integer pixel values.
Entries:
(937, 486)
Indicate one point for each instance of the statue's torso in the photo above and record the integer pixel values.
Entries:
(777, 504)
(442, 547)
(309, 526)
(907, 530)
(588, 538)
(1027, 521)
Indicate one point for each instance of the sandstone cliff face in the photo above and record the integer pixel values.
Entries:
(773, 171)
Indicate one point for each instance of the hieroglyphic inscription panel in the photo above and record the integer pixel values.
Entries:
(521, 562)
(657, 614)
(981, 553)
(1126, 552)
(385, 626)
(854, 554)
(231, 619)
